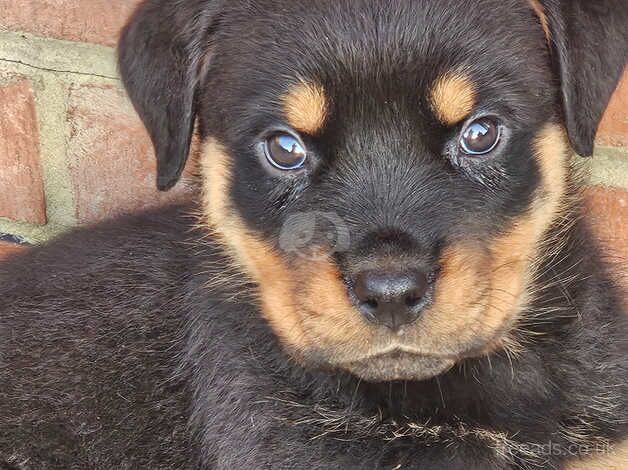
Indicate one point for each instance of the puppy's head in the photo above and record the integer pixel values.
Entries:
(384, 172)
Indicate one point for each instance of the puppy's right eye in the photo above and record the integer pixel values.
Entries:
(285, 151)
(480, 137)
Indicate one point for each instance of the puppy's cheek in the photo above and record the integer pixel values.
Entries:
(330, 319)
(483, 290)
(303, 300)
(454, 317)
(517, 254)
(252, 254)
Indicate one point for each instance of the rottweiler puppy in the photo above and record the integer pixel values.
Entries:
(387, 265)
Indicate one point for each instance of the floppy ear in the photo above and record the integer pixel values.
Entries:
(162, 51)
(589, 46)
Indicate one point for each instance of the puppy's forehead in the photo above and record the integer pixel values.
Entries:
(323, 50)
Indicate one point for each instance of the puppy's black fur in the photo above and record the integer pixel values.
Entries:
(139, 344)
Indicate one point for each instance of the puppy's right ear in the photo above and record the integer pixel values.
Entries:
(162, 52)
(589, 44)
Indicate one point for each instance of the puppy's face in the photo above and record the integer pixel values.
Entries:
(385, 173)
(384, 178)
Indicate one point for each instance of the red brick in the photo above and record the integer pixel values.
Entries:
(614, 127)
(609, 214)
(111, 159)
(7, 248)
(97, 21)
(21, 183)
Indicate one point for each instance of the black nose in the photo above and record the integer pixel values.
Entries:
(392, 299)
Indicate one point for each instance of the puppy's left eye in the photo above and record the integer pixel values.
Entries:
(480, 136)
(285, 151)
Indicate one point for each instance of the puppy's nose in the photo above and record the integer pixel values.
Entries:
(392, 299)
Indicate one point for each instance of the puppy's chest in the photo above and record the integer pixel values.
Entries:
(403, 441)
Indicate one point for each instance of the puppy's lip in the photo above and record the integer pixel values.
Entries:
(399, 365)
(401, 350)
(398, 353)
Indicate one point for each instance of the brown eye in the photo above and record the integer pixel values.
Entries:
(480, 137)
(285, 151)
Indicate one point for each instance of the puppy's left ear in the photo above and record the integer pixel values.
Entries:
(162, 54)
(589, 41)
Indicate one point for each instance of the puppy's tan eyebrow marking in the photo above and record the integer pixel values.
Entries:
(305, 105)
(539, 10)
(452, 97)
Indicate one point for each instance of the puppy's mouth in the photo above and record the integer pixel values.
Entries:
(374, 329)
(398, 364)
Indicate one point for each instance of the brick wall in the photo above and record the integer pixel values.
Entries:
(72, 150)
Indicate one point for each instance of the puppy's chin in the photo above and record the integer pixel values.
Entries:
(398, 365)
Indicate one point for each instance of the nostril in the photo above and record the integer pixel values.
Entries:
(371, 303)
